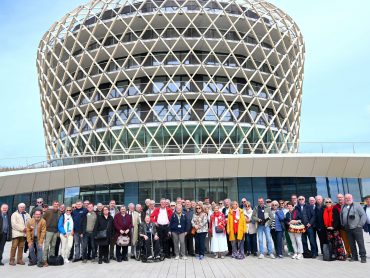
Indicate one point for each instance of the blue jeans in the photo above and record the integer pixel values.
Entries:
(88, 237)
(310, 233)
(32, 250)
(262, 229)
(200, 241)
(251, 243)
(277, 237)
(78, 242)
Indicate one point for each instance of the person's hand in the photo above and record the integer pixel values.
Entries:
(156, 237)
(40, 246)
(121, 231)
(65, 235)
(24, 230)
(169, 233)
(29, 245)
(126, 232)
(196, 227)
(186, 233)
(81, 235)
(259, 220)
(330, 228)
(145, 237)
(308, 225)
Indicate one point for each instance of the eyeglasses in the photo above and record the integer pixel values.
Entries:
(198, 208)
(275, 205)
(68, 210)
(328, 202)
(300, 199)
(268, 201)
(39, 202)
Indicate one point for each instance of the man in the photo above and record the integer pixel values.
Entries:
(173, 206)
(62, 209)
(19, 221)
(150, 208)
(243, 203)
(367, 211)
(342, 231)
(77, 216)
(36, 231)
(206, 201)
(139, 210)
(135, 218)
(353, 218)
(294, 200)
(148, 231)
(5, 229)
(86, 203)
(39, 205)
(312, 202)
(88, 224)
(320, 229)
(99, 209)
(146, 205)
(309, 220)
(268, 202)
(189, 237)
(51, 218)
(161, 218)
(263, 216)
(225, 212)
(178, 201)
(112, 211)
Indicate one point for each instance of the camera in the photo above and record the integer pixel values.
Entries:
(352, 217)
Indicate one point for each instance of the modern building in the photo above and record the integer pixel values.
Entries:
(192, 98)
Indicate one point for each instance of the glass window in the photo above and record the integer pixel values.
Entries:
(23, 198)
(160, 190)
(354, 188)
(88, 193)
(71, 195)
(173, 189)
(117, 193)
(131, 192)
(9, 200)
(365, 184)
(259, 189)
(188, 189)
(202, 189)
(102, 194)
(145, 191)
(322, 187)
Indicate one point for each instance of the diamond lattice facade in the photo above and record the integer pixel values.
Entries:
(145, 77)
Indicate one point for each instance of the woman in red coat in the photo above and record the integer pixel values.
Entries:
(122, 226)
(218, 232)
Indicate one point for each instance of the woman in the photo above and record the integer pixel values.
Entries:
(148, 232)
(294, 216)
(122, 224)
(236, 228)
(65, 228)
(217, 232)
(178, 231)
(103, 226)
(332, 224)
(200, 224)
(277, 228)
(250, 236)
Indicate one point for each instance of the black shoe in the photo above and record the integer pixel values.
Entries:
(354, 259)
(106, 261)
(168, 257)
(75, 260)
(119, 260)
(363, 260)
(255, 254)
(113, 258)
(40, 265)
(100, 261)
(31, 264)
(1, 263)
(125, 259)
(132, 256)
(314, 257)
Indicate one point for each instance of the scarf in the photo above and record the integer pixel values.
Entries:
(68, 224)
(328, 217)
(236, 214)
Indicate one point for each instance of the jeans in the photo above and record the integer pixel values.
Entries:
(179, 239)
(49, 244)
(88, 238)
(277, 237)
(356, 236)
(264, 230)
(251, 240)
(237, 245)
(164, 239)
(310, 233)
(78, 242)
(189, 243)
(3, 238)
(39, 249)
(200, 239)
(296, 242)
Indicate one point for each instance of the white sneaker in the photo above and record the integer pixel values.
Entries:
(177, 257)
(261, 256)
(294, 256)
(272, 256)
(184, 258)
(299, 257)
(66, 261)
(289, 254)
(216, 256)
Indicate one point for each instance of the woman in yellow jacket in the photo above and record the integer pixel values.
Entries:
(236, 229)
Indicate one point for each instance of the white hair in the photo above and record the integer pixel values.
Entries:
(21, 205)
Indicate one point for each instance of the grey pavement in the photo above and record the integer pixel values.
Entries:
(209, 267)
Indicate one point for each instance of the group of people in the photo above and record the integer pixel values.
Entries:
(184, 228)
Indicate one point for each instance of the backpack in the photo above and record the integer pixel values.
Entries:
(55, 260)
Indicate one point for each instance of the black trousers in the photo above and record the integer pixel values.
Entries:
(321, 233)
(3, 238)
(189, 244)
(121, 252)
(229, 247)
(111, 248)
(104, 252)
(57, 246)
(162, 231)
(356, 236)
(147, 247)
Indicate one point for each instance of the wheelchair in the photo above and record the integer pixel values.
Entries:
(146, 256)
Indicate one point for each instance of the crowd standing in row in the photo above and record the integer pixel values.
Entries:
(186, 228)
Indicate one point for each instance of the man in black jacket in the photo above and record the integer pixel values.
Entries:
(309, 220)
(5, 229)
(320, 227)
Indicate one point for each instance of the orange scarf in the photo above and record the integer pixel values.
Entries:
(328, 217)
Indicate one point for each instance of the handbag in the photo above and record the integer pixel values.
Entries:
(297, 228)
(101, 234)
(123, 241)
(55, 260)
(193, 231)
(219, 229)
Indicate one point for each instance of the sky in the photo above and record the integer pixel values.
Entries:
(336, 91)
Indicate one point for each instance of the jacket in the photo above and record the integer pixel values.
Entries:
(51, 222)
(41, 231)
(61, 225)
(189, 216)
(77, 216)
(155, 213)
(367, 225)
(294, 215)
(336, 219)
(177, 226)
(319, 217)
(84, 223)
(267, 213)
(200, 220)
(9, 234)
(120, 224)
(102, 224)
(135, 224)
(251, 225)
(307, 214)
(242, 227)
(279, 220)
(18, 224)
(142, 229)
(353, 217)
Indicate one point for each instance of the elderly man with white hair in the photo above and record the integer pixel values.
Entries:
(19, 221)
(353, 218)
(5, 229)
(135, 216)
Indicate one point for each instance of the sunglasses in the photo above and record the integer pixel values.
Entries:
(198, 208)
(300, 199)
(68, 210)
(268, 201)
(328, 202)
(275, 205)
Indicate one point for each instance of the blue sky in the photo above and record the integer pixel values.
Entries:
(336, 94)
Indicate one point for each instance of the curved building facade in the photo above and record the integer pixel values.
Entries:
(171, 77)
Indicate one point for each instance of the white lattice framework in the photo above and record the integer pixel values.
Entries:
(171, 77)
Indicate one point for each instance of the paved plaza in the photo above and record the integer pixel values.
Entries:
(209, 267)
